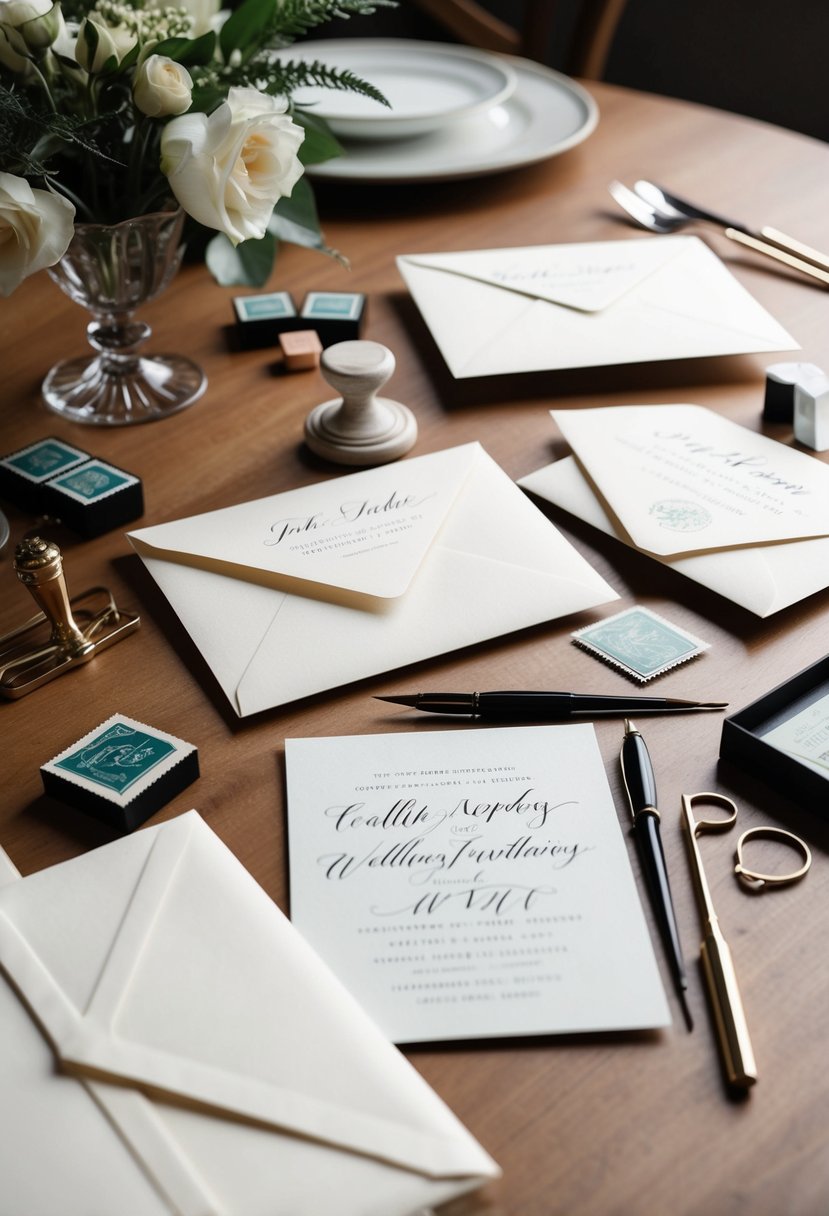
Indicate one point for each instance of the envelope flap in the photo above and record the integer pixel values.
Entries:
(206, 996)
(366, 533)
(681, 479)
(585, 276)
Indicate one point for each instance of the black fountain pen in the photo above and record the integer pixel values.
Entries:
(544, 706)
(640, 786)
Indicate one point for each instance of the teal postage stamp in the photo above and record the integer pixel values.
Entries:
(93, 481)
(41, 461)
(117, 756)
(639, 643)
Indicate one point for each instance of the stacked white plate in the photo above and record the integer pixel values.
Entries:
(454, 111)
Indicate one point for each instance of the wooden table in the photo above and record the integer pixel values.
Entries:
(581, 1125)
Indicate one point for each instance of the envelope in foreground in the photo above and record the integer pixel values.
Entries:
(305, 591)
(549, 307)
(700, 495)
(223, 1071)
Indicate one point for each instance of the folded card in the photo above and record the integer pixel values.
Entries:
(731, 509)
(364, 573)
(217, 1067)
(548, 307)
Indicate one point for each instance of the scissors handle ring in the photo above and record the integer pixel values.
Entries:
(710, 825)
(752, 880)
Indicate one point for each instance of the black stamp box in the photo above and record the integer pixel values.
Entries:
(121, 772)
(94, 498)
(337, 316)
(743, 742)
(54, 478)
(24, 473)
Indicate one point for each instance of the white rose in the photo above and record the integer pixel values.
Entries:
(230, 168)
(112, 40)
(36, 227)
(162, 87)
(30, 25)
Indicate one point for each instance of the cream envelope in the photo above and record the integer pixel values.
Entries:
(245, 1080)
(549, 307)
(731, 509)
(311, 589)
(58, 1148)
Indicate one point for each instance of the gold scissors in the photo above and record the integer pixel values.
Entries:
(718, 968)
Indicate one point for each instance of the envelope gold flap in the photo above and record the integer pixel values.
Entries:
(588, 277)
(200, 993)
(364, 535)
(683, 480)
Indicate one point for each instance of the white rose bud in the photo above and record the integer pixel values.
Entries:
(30, 26)
(229, 169)
(10, 55)
(36, 227)
(162, 87)
(111, 41)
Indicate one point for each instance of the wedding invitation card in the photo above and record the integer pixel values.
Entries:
(470, 883)
(727, 507)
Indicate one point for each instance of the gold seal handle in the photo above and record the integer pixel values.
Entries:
(39, 566)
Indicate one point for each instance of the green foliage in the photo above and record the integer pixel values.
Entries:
(86, 134)
(246, 265)
(319, 144)
(297, 17)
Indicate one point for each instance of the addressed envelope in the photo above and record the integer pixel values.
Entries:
(549, 307)
(728, 508)
(314, 588)
(232, 1068)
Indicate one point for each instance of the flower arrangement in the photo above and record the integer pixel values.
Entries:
(111, 109)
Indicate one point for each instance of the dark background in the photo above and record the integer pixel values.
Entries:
(765, 58)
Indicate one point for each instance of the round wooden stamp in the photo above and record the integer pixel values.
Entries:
(358, 427)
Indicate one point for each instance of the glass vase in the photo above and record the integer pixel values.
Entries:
(111, 270)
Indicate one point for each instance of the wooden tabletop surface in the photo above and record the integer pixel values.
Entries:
(594, 1125)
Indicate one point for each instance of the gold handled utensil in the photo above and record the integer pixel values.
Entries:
(718, 968)
(78, 628)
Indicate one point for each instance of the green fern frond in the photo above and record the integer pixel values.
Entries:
(294, 18)
(29, 136)
(285, 76)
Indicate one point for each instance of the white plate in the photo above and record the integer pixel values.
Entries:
(547, 114)
(426, 84)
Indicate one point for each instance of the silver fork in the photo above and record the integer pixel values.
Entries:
(662, 219)
(671, 205)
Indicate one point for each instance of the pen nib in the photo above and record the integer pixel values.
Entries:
(698, 704)
(410, 701)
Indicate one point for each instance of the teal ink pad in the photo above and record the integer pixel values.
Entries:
(121, 772)
(260, 319)
(337, 316)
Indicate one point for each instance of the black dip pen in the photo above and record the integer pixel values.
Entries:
(640, 786)
(545, 706)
